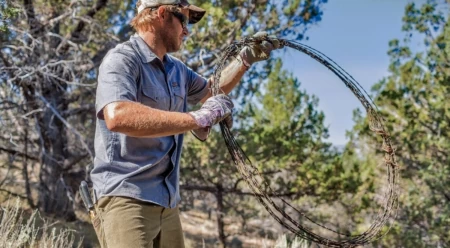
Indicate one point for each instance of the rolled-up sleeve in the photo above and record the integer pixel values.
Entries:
(197, 87)
(117, 80)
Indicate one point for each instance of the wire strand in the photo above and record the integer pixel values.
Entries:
(261, 188)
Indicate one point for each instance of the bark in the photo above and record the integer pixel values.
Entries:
(54, 196)
(220, 215)
(25, 172)
(56, 185)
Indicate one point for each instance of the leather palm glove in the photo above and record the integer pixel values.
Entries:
(259, 51)
(214, 110)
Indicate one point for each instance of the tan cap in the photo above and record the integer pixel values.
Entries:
(195, 13)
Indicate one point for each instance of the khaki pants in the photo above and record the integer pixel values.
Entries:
(122, 222)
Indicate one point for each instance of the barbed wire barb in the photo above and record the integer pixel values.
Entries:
(261, 188)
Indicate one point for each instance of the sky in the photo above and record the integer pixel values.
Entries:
(355, 34)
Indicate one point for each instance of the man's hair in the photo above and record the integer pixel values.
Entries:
(141, 21)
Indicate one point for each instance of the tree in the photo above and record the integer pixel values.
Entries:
(414, 101)
(286, 133)
(229, 20)
(283, 133)
(49, 63)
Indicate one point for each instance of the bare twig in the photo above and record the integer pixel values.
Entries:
(13, 193)
(6, 174)
(67, 124)
(19, 153)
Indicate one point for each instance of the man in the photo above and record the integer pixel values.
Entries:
(141, 108)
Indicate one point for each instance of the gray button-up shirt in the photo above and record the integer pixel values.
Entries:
(141, 168)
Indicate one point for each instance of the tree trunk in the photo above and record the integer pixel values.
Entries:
(220, 211)
(25, 171)
(55, 197)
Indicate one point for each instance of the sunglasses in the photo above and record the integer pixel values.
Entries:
(184, 20)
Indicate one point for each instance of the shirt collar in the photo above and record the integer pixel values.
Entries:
(143, 50)
(168, 60)
(145, 53)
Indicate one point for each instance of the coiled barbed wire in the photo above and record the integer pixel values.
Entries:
(261, 188)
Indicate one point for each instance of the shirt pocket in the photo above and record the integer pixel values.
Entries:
(179, 94)
(155, 97)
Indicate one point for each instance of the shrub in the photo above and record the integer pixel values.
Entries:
(18, 231)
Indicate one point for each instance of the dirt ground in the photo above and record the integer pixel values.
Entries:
(199, 231)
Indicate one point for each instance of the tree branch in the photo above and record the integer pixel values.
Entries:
(212, 189)
(67, 124)
(68, 163)
(12, 193)
(18, 153)
(34, 24)
(76, 111)
(447, 196)
(98, 6)
(6, 174)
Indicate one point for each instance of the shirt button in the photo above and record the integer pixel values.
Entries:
(174, 84)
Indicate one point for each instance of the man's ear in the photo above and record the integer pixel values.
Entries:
(162, 12)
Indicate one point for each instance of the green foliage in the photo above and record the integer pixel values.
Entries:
(208, 164)
(230, 20)
(8, 11)
(283, 134)
(414, 102)
(285, 131)
(278, 124)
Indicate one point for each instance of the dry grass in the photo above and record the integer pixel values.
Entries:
(22, 229)
(17, 230)
(283, 242)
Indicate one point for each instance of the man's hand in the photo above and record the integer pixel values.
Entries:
(259, 51)
(203, 133)
(214, 110)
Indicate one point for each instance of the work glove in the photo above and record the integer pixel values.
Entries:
(203, 133)
(214, 110)
(259, 51)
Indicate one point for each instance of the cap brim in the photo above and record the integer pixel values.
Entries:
(195, 14)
